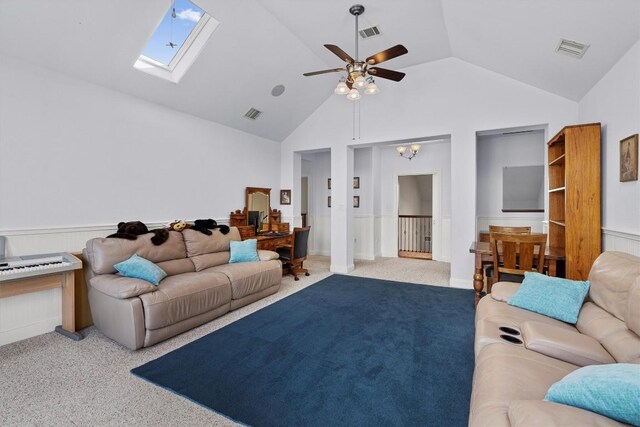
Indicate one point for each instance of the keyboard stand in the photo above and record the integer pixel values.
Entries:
(65, 280)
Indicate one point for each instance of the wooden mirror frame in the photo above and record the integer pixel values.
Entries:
(240, 218)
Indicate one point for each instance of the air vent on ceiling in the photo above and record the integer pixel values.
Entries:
(572, 48)
(252, 114)
(369, 32)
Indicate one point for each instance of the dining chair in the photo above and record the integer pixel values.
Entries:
(502, 229)
(515, 254)
(295, 254)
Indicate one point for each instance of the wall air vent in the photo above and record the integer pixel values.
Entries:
(572, 48)
(252, 114)
(369, 32)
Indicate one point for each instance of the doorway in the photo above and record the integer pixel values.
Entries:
(415, 216)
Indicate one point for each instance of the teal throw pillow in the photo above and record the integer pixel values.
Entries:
(141, 268)
(610, 390)
(244, 251)
(551, 296)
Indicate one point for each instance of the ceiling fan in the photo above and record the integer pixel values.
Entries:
(357, 70)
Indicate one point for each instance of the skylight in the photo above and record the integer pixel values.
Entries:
(177, 41)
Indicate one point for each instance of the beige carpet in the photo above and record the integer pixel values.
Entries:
(51, 380)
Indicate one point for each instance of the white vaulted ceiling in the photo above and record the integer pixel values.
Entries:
(263, 43)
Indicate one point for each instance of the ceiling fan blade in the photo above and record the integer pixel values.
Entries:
(339, 53)
(315, 73)
(386, 74)
(386, 55)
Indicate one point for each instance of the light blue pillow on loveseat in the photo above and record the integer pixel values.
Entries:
(610, 390)
(141, 268)
(244, 251)
(551, 296)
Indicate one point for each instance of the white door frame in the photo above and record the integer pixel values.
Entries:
(436, 207)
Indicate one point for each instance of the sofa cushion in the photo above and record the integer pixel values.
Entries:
(105, 252)
(204, 261)
(610, 390)
(611, 277)
(140, 268)
(177, 266)
(632, 317)
(183, 296)
(498, 311)
(622, 343)
(505, 373)
(198, 243)
(250, 277)
(552, 296)
(502, 291)
(536, 413)
(570, 346)
(120, 287)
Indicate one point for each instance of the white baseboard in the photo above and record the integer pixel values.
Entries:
(461, 283)
(341, 269)
(39, 327)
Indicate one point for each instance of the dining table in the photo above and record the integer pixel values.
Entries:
(484, 255)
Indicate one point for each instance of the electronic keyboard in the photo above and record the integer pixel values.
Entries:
(13, 268)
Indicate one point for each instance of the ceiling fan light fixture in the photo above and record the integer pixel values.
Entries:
(360, 82)
(401, 149)
(342, 88)
(415, 148)
(372, 88)
(353, 95)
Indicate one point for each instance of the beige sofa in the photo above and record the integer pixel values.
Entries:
(200, 285)
(511, 380)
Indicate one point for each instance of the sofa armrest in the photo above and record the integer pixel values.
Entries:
(120, 287)
(564, 344)
(267, 255)
(534, 413)
(502, 291)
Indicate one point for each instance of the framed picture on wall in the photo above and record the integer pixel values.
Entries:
(329, 183)
(629, 159)
(329, 202)
(285, 197)
(356, 201)
(356, 182)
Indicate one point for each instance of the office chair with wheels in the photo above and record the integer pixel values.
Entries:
(294, 255)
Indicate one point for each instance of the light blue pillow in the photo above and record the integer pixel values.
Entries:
(141, 268)
(610, 390)
(244, 251)
(551, 296)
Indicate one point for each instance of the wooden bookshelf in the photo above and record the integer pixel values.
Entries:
(574, 196)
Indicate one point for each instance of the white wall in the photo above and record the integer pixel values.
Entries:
(495, 152)
(76, 158)
(75, 154)
(414, 195)
(447, 97)
(615, 102)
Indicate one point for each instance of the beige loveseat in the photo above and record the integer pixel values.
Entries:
(511, 380)
(200, 284)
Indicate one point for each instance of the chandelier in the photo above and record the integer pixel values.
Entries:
(413, 151)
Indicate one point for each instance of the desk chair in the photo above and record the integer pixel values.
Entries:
(502, 229)
(515, 254)
(294, 255)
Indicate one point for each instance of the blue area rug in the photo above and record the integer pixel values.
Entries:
(345, 351)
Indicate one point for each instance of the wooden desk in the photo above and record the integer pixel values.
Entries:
(484, 255)
(270, 243)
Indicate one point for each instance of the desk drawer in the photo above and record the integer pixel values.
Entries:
(272, 244)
